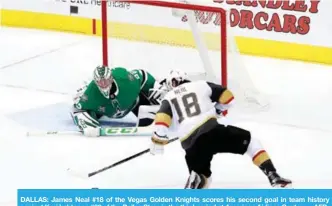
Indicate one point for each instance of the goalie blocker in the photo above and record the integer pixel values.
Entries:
(190, 110)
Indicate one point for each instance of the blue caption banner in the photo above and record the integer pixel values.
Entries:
(147, 197)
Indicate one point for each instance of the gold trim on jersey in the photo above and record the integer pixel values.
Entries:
(260, 158)
(226, 97)
(195, 128)
(163, 119)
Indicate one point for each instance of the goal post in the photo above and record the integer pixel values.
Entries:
(187, 10)
(160, 35)
(104, 32)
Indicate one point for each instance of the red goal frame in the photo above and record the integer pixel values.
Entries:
(193, 7)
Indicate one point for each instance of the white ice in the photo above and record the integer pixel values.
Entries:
(39, 69)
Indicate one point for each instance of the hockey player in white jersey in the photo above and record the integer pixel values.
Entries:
(189, 109)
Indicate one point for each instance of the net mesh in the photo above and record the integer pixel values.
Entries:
(160, 38)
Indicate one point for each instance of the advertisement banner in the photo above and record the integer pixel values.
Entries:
(295, 21)
(174, 197)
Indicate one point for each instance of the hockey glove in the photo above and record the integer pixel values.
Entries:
(157, 145)
(80, 93)
(157, 93)
(87, 124)
(221, 109)
(220, 112)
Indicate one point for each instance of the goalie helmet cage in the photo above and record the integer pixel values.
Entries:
(229, 62)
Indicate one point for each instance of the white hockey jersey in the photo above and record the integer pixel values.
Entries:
(189, 110)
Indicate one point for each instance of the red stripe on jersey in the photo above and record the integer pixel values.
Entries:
(231, 99)
(162, 123)
(260, 152)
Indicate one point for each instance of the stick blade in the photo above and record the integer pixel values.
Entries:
(76, 173)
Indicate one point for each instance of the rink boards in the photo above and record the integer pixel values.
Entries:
(133, 22)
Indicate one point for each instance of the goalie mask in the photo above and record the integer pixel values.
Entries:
(102, 76)
(176, 78)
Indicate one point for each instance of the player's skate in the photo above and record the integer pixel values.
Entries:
(278, 182)
(196, 181)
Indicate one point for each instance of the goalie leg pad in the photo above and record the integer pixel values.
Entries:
(147, 111)
(146, 114)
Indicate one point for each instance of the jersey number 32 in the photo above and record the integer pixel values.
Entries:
(190, 105)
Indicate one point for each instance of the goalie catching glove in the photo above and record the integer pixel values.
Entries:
(157, 93)
(87, 124)
(160, 89)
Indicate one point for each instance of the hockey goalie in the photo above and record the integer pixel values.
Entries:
(114, 93)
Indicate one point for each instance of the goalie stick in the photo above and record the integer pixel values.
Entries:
(114, 164)
(112, 131)
(104, 131)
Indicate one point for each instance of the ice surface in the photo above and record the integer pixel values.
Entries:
(39, 69)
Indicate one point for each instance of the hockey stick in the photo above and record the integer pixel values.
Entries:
(116, 163)
(104, 131)
(125, 160)
(108, 131)
(41, 133)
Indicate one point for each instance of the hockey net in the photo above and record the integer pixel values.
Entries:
(160, 36)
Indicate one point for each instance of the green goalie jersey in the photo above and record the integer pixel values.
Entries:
(126, 88)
